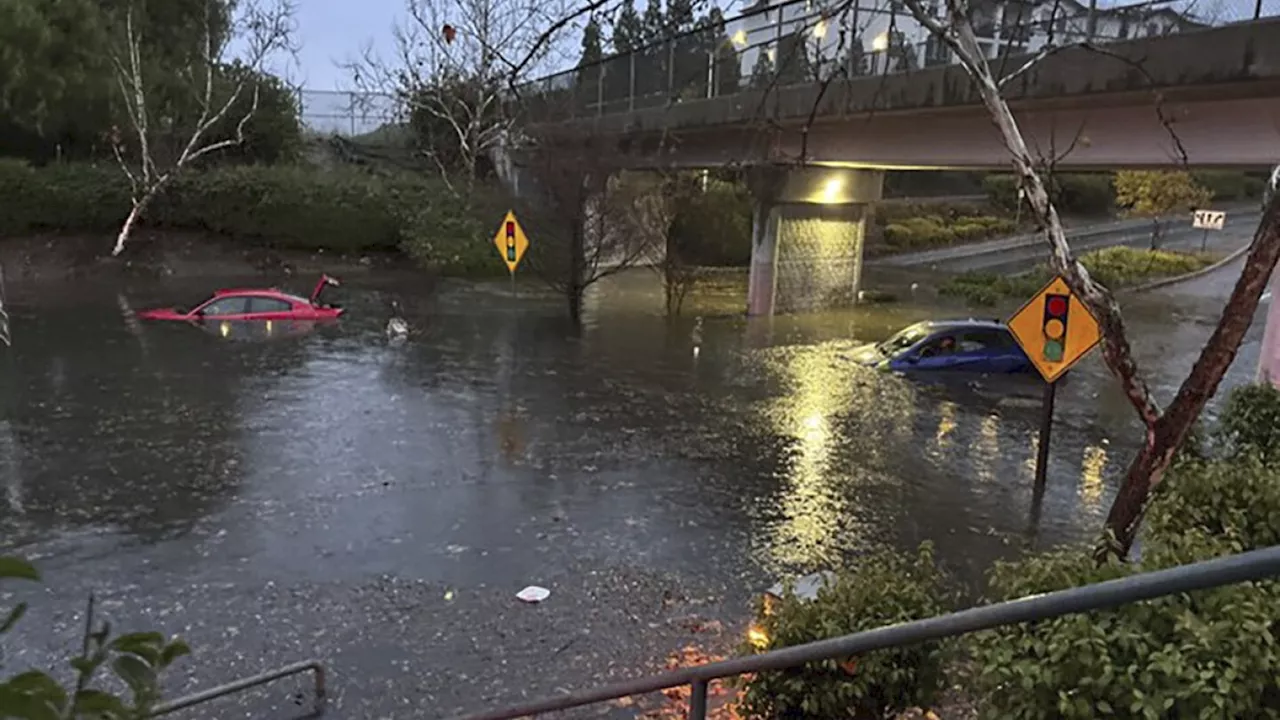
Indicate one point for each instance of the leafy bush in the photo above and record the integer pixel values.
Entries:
(1115, 267)
(1250, 423)
(300, 208)
(929, 231)
(1121, 266)
(137, 659)
(1072, 193)
(1209, 654)
(1226, 186)
(883, 589)
(1236, 500)
(713, 228)
(1155, 193)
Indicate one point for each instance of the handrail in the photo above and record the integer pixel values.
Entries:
(1245, 567)
(768, 8)
(312, 666)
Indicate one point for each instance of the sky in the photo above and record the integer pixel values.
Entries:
(336, 31)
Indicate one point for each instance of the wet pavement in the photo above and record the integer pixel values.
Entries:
(276, 494)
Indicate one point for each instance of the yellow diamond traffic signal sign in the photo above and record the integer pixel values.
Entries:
(511, 241)
(1055, 329)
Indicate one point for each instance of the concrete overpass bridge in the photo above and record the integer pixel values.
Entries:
(1207, 98)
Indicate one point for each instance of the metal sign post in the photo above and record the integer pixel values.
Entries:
(1056, 331)
(1207, 220)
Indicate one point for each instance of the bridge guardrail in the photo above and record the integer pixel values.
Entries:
(800, 42)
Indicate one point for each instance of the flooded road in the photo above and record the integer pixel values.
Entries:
(275, 494)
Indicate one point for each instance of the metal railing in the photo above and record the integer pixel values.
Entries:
(806, 41)
(312, 666)
(1246, 567)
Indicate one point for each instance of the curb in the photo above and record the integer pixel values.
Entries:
(1165, 282)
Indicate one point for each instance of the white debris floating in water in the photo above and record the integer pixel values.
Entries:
(534, 594)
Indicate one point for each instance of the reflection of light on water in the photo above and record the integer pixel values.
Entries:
(224, 329)
(812, 504)
(1029, 463)
(987, 449)
(839, 431)
(270, 327)
(946, 423)
(1095, 461)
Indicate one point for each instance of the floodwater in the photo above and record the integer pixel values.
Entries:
(275, 494)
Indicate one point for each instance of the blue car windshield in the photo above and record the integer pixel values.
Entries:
(903, 340)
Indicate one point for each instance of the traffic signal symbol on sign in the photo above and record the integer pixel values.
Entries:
(1056, 307)
(1055, 329)
(511, 242)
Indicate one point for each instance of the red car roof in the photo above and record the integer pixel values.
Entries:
(269, 292)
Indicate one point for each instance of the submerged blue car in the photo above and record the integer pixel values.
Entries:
(974, 346)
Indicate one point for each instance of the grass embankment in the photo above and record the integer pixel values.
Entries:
(339, 210)
(1115, 267)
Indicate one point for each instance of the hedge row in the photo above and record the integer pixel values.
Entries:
(286, 207)
(1114, 267)
(1094, 193)
(932, 231)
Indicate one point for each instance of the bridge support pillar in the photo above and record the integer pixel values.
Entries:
(808, 227)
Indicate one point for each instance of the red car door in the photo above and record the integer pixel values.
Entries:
(265, 307)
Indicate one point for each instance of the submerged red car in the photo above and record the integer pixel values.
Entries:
(254, 304)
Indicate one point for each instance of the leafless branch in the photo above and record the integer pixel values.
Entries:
(265, 30)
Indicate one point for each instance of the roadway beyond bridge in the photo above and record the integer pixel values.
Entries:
(1208, 98)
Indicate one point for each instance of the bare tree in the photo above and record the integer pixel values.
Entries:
(581, 214)
(263, 28)
(680, 275)
(454, 62)
(1167, 429)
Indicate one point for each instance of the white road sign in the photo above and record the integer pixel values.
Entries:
(1209, 219)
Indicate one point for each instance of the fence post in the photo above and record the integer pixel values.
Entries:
(599, 89)
(671, 69)
(631, 89)
(698, 701)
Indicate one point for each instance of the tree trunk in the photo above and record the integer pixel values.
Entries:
(575, 287)
(1166, 435)
(135, 214)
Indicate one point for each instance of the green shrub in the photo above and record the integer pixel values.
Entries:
(1250, 423)
(713, 228)
(291, 207)
(986, 289)
(1227, 186)
(138, 661)
(1072, 193)
(1236, 500)
(1209, 654)
(883, 589)
(1115, 267)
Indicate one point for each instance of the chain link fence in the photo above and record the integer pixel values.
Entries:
(347, 114)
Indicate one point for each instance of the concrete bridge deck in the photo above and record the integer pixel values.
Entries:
(1208, 98)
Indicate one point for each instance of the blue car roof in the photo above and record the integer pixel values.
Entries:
(933, 325)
